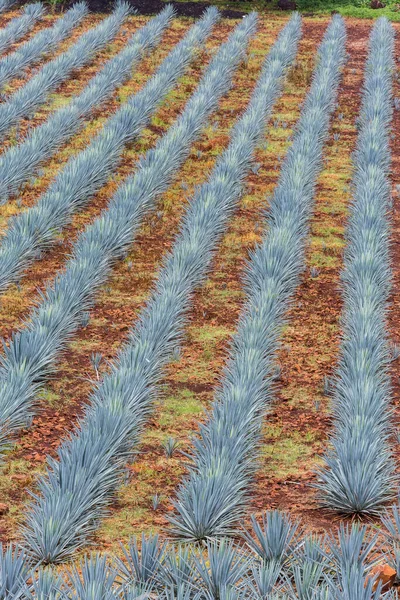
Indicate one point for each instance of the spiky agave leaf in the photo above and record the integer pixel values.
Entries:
(5, 5)
(15, 565)
(275, 539)
(263, 578)
(177, 569)
(183, 591)
(221, 568)
(142, 566)
(94, 579)
(46, 585)
(354, 584)
(352, 548)
(307, 577)
(391, 521)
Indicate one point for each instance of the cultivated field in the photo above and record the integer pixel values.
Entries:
(200, 293)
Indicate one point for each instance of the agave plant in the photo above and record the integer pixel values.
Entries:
(19, 26)
(212, 498)
(19, 163)
(46, 585)
(119, 406)
(358, 476)
(46, 40)
(5, 5)
(391, 522)
(142, 566)
(275, 539)
(220, 568)
(15, 566)
(170, 446)
(94, 579)
(353, 548)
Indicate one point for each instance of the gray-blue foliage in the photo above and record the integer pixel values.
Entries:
(213, 496)
(15, 566)
(32, 352)
(20, 162)
(107, 433)
(29, 97)
(359, 472)
(150, 569)
(19, 26)
(5, 5)
(43, 42)
(86, 172)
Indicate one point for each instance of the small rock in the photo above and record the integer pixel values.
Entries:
(287, 5)
(377, 4)
(385, 575)
(3, 509)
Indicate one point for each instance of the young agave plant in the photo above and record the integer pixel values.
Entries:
(275, 539)
(15, 568)
(96, 359)
(170, 446)
(222, 567)
(46, 585)
(178, 570)
(391, 522)
(307, 577)
(156, 501)
(94, 579)
(142, 567)
(354, 584)
(352, 549)
(263, 579)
